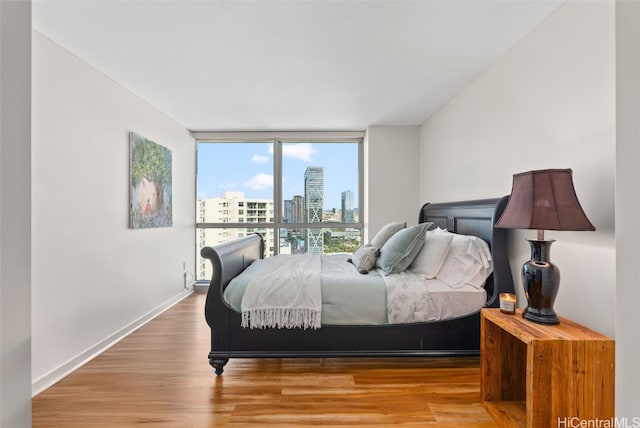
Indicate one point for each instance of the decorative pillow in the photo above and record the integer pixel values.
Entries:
(432, 255)
(385, 233)
(468, 262)
(364, 258)
(402, 248)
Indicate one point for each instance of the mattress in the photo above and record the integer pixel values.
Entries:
(351, 298)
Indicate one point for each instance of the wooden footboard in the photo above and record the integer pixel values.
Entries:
(228, 260)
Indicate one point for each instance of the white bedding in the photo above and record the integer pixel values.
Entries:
(350, 298)
(446, 303)
(413, 298)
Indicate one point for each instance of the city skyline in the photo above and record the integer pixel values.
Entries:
(248, 168)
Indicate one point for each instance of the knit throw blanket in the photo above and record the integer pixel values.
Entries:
(287, 295)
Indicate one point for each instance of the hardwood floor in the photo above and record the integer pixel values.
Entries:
(159, 376)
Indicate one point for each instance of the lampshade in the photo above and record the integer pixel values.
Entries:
(544, 200)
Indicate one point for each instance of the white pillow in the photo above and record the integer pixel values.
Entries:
(432, 255)
(468, 262)
(484, 253)
(440, 230)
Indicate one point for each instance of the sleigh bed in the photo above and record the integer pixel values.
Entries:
(459, 335)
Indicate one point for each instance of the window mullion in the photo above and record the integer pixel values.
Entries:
(277, 193)
(361, 190)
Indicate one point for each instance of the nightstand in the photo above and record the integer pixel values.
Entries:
(542, 376)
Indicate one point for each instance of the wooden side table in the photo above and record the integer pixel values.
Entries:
(544, 376)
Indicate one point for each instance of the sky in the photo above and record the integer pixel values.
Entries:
(248, 168)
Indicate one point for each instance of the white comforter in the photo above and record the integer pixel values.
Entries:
(286, 296)
(407, 298)
(412, 298)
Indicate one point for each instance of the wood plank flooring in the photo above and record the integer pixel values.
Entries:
(159, 376)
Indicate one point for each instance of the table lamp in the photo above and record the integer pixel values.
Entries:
(543, 200)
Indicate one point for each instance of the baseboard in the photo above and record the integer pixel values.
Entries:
(64, 370)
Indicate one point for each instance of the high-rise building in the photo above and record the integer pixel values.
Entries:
(287, 211)
(297, 209)
(348, 213)
(294, 210)
(232, 207)
(292, 239)
(314, 202)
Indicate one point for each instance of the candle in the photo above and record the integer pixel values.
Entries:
(508, 303)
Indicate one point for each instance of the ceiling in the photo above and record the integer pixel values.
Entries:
(291, 65)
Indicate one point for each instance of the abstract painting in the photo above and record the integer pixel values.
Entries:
(149, 184)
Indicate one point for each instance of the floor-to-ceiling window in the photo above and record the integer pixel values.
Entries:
(301, 191)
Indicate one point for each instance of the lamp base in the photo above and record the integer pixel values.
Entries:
(540, 280)
(542, 316)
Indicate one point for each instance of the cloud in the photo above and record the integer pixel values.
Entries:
(301, 151)
(259, 158)
(260, 182)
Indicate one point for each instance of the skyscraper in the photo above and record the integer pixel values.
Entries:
(287, 214)
(347, 207)
(294, 211)
(314, 202)
(297, 210)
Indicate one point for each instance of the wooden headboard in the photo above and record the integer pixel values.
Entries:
(478, 218)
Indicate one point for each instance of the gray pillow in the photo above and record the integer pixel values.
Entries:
(402, 248)
(385, 233)
(364, 258)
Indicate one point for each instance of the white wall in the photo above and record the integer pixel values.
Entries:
(15, 195)
(627, 207)
(93, 277)
(548, 103)
(391, 171)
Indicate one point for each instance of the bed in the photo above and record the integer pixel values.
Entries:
(457, 335)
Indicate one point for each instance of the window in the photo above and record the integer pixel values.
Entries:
(303, 194)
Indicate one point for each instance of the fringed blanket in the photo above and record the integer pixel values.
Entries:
(287, 295)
